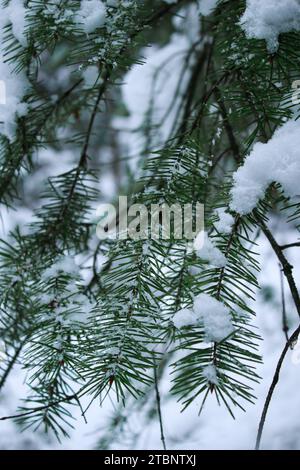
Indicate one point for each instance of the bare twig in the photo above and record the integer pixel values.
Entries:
(11, 364)
(288, 344)
(228, 127)
(290, 245)
(288, 272)
(286, 266)
(285, 327)
(162, 435)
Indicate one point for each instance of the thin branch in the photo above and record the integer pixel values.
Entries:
(221, 278)
(285, 327)
(162, 435)
(84, 156)
(228, 127)
(288, 272)
(101, 92)
(11, 364)
(66, 399)
(286, 266)
(6, 182)
(192, 87)
(288, 344)
(290, 245)
(205, 99)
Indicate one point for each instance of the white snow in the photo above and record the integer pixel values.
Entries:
(184, 317)
(76, 318)
(90, 76)
(75, 314)
(213, 314)
(215, 317)
(45, 299)
(266, 19)
(15, 88)
(198, 241)
(210, 374)
(14, 85)
(211, 253)
(16, 13)
(225, 222)
(276, 161)
(91, 15)
(113, 351)
(70, 310)
(206, 7)
(65, 265)
(86, 306)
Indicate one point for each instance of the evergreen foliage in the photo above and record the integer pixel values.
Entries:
(79, 329)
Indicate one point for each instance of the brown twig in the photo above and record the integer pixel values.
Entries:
(289, 245)
(286, 266)
(288, 344)
(162, 434)
(11, 364)
(288, 272)
(285, 327)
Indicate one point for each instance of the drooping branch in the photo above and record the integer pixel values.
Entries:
(286, 266)
(11, 363)
(288, 272)
(158, 402)
(288, 345)
(285, 327)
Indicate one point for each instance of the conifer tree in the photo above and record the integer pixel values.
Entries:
(89, 319)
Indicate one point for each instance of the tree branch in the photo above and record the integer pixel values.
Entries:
(286, 266)
(288, 344)
(289, 245)
(11, 364)
(285, 327)
(288, 272)
(162, 435)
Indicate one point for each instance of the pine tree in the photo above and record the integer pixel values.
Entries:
(85, 329)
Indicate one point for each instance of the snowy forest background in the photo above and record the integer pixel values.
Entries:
(152, 99)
